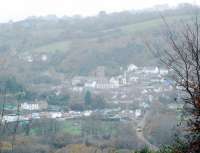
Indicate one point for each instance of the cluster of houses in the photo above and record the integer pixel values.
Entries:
(107, 114)
(33, 58)
(130, 75)
(141, 87)
(79, 83)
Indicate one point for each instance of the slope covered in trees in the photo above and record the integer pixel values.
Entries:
(76, 45)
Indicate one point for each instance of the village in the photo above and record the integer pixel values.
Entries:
(135, 91)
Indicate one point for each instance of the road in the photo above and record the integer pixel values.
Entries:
(140, 134)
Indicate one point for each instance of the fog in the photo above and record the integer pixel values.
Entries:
(20, 9)
(109, 76)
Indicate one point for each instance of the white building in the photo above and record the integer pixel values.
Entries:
(138, 113)
(132, 67)
(133, 78)
(77, 89)
(44, 57)
(107, 84)
(90, 84)
(150, 70)
(114, 82)
(29, 59)
(164, 71)
(78, 80)
(39, 105)
(27, 106)
(10, 118)
(87, 113)
(56, 114)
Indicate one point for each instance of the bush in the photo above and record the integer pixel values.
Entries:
(145, 150)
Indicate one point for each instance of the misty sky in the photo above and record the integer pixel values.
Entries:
(20, 9)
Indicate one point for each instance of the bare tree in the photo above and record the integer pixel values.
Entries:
(2, 123)
(182, 57)
(3, 110)
(15, 127)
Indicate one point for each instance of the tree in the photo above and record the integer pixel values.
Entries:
(98, 102)
(182, 56)
(88, 99)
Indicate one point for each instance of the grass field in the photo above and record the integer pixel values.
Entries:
(152, 24)
(72, 127)
(61, 46)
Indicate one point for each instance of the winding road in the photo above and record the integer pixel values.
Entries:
(140, 133)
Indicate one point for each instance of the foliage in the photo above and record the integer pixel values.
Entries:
(88, 99)
(182, 57)
(145, 150)
(11, 85)
(60, 100)
(98, 103)
(110, 40)
(94, 101)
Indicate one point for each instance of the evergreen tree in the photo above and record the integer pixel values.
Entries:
(88, 99)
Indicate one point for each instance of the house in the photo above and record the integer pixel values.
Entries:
(27, 106)
(29, 59)
(10, 118)
(90, 84)
(113, 80)
(133, 78)
(144, 105)
(138, 113)
(150, 70)
(78, 81)
(77, 89)
(55, 114)
(104, 83)
(87, 113)
(132, 67)
(39, 105)
(163, 71)
(175, 106)
(122, 80)
(44, 57)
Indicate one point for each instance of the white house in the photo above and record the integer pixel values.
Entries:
(132, 67)
(144, 105)
(133, 78)
(78, 80)
(29, 59)
(90, 84)
(150, 70)
(114, 82)
(106, 84)
(39, 105)
(164, 71)
(138, 113)
(144, 91)
(150, 98)
(77, 89)
(87, 113)
(44, 57)
(56, 114)
(10, 118)
(27, 106)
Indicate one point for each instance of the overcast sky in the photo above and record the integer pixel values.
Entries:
(20, 9)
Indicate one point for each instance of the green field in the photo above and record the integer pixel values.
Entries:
(71, 127)
(153, 24)
(61, 46)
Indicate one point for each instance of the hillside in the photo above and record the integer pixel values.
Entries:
(76, 45)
